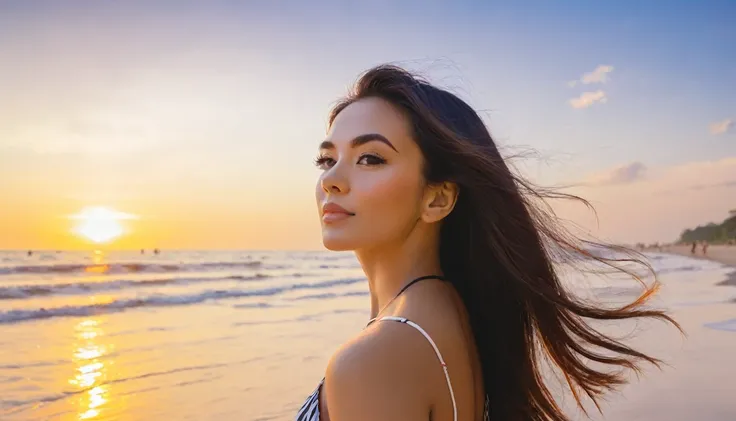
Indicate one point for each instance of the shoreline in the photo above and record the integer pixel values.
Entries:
(725, 255)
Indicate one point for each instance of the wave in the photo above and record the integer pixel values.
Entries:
(303, 318)
(117, 268)
(685, 268)
(329, 295)
(75, 288)
(13, 316)
(726, 325)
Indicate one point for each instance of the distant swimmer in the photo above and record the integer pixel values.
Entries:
(143, 251)
(30, 252)
(156, 251)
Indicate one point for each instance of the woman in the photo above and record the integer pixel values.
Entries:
(465, 302)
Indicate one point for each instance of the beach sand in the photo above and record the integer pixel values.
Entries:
(698, 377)
(725, 255)
(717, 253)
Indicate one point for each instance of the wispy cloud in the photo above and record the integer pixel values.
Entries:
(586, 99)
(692, 177)
(720, 127)
(700, 176)
(599, 75)
(623, 174)
(728, 183)
(102, 213)
(659, 204)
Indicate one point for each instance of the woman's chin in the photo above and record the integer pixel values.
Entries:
(334, 243)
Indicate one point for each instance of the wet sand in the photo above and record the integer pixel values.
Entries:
(697, 379)
(722, 254)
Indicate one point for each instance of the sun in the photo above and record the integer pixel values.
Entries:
(100, 224)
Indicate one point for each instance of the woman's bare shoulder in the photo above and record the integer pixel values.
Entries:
(380, 374)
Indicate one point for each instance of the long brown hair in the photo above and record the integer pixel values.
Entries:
(498, 247)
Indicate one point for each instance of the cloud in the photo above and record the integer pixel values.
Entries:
(698, 187)
(586, 99)
(659, 205)
(102, 213)
(700, 176)
(624, 174)
(720, 127)
(691, 176)
(93, 132)
(599, 75)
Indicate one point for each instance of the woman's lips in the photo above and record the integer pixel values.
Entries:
(332, 212)
(335, 216)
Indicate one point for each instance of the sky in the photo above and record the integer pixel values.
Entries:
(201, 119)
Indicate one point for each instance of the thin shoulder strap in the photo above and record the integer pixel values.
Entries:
(436, 351)
(404, 288)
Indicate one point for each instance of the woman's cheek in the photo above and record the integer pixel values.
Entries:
(392, 193)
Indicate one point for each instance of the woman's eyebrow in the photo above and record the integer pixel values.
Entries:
(361, 140)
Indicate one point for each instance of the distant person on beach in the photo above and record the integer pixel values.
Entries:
(705, 247)
(466, 303)
(695, 245)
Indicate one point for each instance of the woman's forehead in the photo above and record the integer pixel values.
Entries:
(370, 115)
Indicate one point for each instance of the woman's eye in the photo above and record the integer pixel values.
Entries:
(324, 162)
(371, 160)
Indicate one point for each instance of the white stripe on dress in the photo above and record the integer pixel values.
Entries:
(310, 409)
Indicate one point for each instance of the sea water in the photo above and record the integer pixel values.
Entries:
(225, 335)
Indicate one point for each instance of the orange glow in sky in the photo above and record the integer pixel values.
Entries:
(208, 135)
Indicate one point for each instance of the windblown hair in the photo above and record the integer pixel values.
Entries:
(498, 247)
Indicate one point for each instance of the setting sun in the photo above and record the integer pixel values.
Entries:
(100, 224)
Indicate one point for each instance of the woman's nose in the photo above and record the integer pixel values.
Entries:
(334, 182)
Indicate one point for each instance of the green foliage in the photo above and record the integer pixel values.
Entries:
(713, 233)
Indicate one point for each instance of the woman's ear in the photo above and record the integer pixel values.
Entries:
(439, 200)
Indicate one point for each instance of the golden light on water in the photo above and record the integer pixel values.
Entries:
(91, 371)
(100, 224)
(98, 263)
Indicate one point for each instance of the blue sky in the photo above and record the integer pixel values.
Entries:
(119, 103)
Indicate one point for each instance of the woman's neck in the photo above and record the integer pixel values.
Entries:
(388, 269)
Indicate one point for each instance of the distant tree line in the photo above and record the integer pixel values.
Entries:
(713, 233)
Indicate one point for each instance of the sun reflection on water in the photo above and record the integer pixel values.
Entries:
(98, 263)
(91, 369)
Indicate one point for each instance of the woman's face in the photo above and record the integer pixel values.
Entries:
(371, 189)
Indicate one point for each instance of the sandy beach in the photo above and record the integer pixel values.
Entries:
(698, 377)
(717, 253)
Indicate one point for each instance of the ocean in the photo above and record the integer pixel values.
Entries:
(221, 335)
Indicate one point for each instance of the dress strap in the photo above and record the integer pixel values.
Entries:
(404, 288)
(419, 279)
(436, 351)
